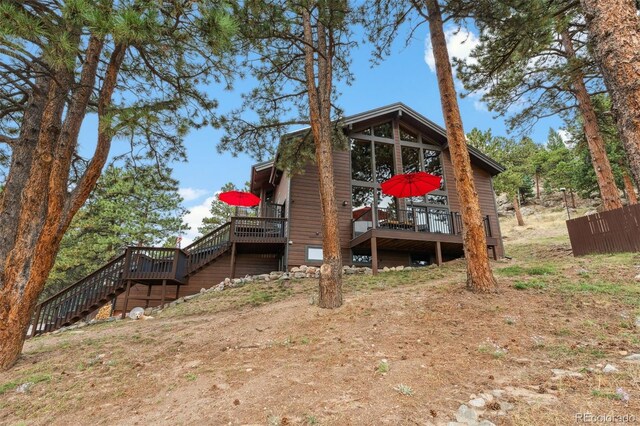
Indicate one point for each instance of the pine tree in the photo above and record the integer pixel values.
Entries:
(612, 26)
(297, 51)
(516, 157)
(220, 212)
(383, 20)
(138, 66)
(532, 58)
(129, 207)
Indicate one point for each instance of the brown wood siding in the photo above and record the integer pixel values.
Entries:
(305, 216)
(393, 258)
(482, 180)
(209, 276)
(282, 190)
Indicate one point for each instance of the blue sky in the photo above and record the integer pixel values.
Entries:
(405, 76)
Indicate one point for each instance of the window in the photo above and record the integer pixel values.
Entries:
(314, 254)
(384, 130)
(437, 199)
(384, 161)
(361, 161)
(410, 159)
(432, 163)
(407, 135)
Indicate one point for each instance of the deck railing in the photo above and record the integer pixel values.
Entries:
(417, 219)
(155, 263)
(271, 210)
(259, 229)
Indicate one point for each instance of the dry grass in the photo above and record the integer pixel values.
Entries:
(261, 354)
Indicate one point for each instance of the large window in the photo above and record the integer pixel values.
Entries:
(361, 169)
(373, 161)
(416, 159)
(384, 161)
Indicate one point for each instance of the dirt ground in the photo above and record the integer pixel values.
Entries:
(406, 348)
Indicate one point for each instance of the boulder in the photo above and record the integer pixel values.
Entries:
(299, 275)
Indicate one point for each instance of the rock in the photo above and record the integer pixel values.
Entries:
(303, 268)
(299, 275)
(219, 287)
(285, 276)
(506, 406)
(237, 281)
(635, 358)
(485, 423)
(227, 280)
(180, 300)
(295, 269)
(486, 396)
(609, 369)
(386, 269)
(312, 270)
(408, 268)
(350, 271)
(24, 388)
(477, 403)
(623, 353)
(637, 322)
(637, 278)
(590, 212)
(148, 311)
(399, 268)
(558, 374)
(187, 298)
(466, 415)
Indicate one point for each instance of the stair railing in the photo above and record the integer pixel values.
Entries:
(68, 305)
(207, 248)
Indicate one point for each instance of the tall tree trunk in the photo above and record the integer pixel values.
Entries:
(599, 159)
(516, 207)
(613, 28)
(32, 228)
(632, 198)
(330, 283)
(537, 184)
(573, 198)
(479, 275)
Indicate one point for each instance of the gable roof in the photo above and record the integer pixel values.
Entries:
(401, 110)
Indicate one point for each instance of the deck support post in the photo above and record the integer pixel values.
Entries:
(146, 305)
(126, 299)
(374, 255)
(164, 292)
(177, 290)
(232, 266)
(438, 253)
(494, 252)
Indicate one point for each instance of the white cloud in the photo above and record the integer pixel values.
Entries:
(194, 219)
(566, 138)
(460, 43)
(191, 194)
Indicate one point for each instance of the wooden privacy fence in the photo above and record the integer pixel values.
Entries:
(612, 231)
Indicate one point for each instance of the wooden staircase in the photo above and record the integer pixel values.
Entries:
(136, 265)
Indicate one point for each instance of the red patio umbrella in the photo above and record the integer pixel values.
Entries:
(239, 198)
(411, 184)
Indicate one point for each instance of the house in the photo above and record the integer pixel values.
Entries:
(285, 231)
